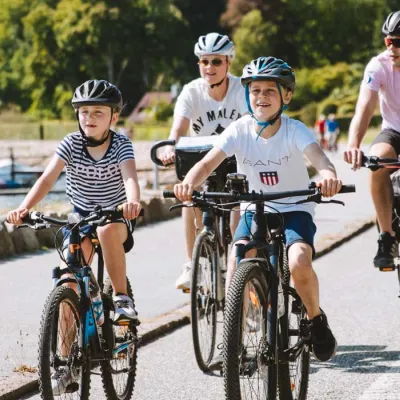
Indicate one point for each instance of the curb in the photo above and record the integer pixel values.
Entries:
(152, 329)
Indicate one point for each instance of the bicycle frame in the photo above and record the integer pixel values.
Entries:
(88, 327)
(272, 249)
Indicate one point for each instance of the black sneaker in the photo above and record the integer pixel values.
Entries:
(323, 343)
(387, 251)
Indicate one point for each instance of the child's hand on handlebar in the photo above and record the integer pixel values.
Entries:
(329, 186)
(353, 156)
(168, 155)
(183, 191)
(131, 209)
(14, 216)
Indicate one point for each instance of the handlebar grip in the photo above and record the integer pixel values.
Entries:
(28, 220)
(119, 210)
(156, 146)
(168, 194)
(348, 189)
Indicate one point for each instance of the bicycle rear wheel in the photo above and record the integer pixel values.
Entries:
(248, 364)
(59, 350)
(293, 375)
(119, 373)
(203, 300)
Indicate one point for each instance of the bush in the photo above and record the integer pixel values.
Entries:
(308, 114)
(163, 111)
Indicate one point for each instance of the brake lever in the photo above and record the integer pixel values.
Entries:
(333, 201)
(175, 206)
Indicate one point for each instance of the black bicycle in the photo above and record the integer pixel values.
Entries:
(375, 163)
(265, 342)
(209, 259)
(70, 335)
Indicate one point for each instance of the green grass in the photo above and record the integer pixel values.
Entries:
(56, 130)
(369, 137)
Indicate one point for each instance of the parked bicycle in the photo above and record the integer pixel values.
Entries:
(374, 163)
(77, 329)
(210, 253)
(266, 340)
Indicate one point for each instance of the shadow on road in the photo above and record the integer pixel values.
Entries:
(361, 359)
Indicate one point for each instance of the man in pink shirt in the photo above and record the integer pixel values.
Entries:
(381, 82)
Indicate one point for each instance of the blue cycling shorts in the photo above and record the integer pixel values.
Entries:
(298, 226)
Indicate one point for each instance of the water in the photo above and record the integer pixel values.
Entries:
(10, 202)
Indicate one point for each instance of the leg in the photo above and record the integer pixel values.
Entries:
(66, 317)
(112, 238)
(382, 196)
(192, 225)
(381, 188)
(234, 220)
(304, 277)
(192, 219)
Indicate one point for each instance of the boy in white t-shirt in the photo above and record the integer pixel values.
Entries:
(269, 148)
(205, 107)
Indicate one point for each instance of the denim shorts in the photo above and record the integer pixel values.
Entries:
(90, 231)
(298, 226)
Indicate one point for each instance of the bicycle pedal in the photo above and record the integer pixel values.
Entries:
(387, 269)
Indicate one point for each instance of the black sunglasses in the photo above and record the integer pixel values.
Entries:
(215, 61)
(394, 42)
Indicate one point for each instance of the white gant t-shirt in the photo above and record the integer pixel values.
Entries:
(271, 165)
(208, 116)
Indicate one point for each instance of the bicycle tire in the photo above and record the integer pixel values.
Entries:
(49, 339)
(293, 376)
(112, 389)
(241, 363)
(203, 302)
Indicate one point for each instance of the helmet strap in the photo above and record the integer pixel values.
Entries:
(90, 142)
(220, 82)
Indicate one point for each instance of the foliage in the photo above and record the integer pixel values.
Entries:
(163, 111)
(49, 47)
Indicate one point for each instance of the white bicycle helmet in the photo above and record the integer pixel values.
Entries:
(214, 43)
(392, 24)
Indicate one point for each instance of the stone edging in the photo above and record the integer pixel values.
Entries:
(150, 330)
(15, 241)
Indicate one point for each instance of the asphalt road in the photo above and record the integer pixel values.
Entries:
(363, 309)
(152, 267)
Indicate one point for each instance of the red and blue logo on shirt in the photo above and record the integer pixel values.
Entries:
(269, 178)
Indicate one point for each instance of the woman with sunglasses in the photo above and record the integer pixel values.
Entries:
(381, 81)
(205, 107)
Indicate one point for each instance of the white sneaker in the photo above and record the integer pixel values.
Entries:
(183, 282)
(123, 308)
(62, 378)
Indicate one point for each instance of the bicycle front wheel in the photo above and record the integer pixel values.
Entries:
(203, 300)
(293, 375)
(249, 367)
(119, 373)
(64, 372)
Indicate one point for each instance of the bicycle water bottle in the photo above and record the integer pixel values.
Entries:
(97, 302)
(281, 300)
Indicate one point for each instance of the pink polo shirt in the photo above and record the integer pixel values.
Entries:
(381, 77)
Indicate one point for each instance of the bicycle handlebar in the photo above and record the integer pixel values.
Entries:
(253, 196)
(35, 217)
(155, 147)
(374, 163)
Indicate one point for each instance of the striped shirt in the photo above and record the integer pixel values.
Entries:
(90, 182)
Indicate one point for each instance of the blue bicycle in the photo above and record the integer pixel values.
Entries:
(74, 336)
